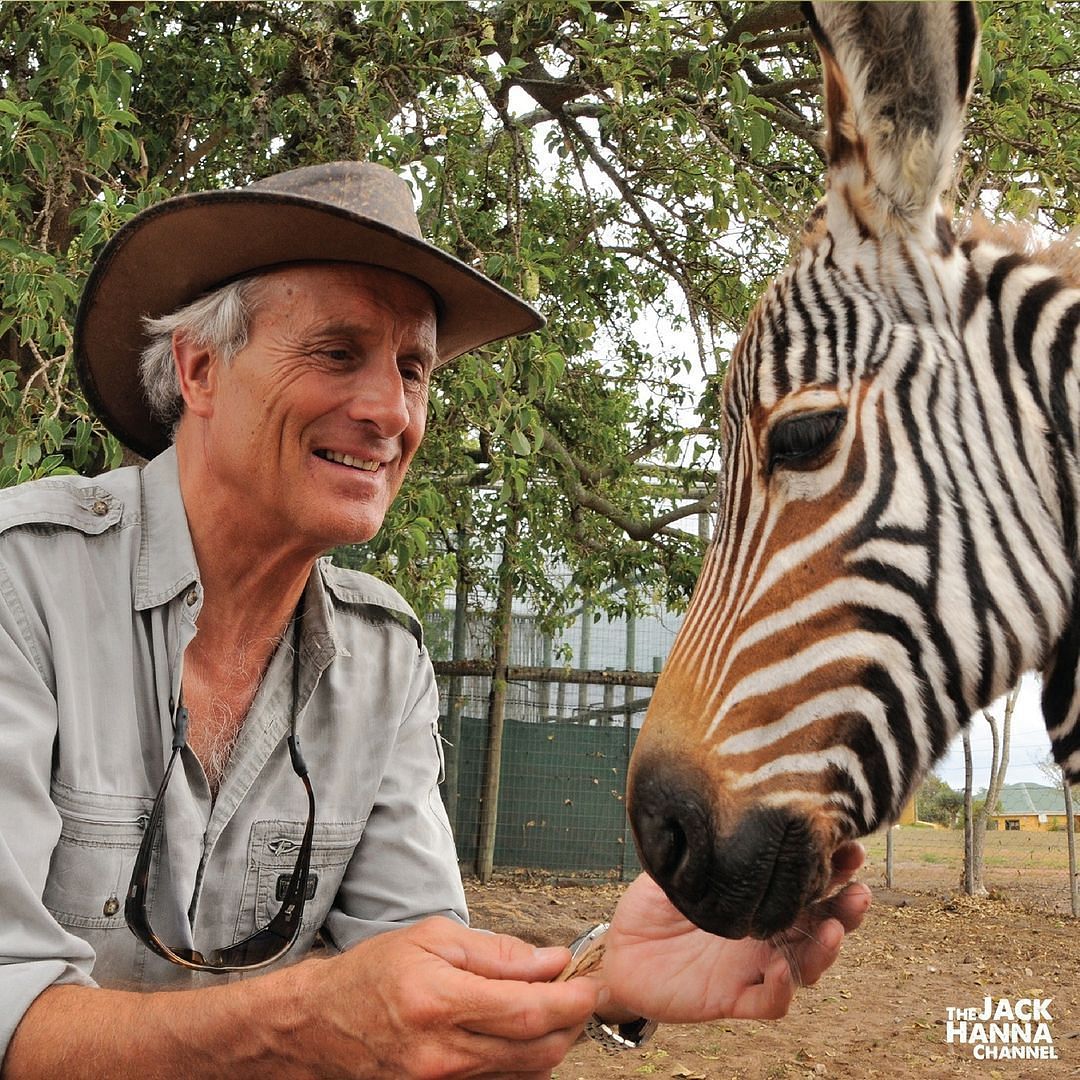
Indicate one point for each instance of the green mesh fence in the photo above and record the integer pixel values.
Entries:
(561, 797)
(566, 743)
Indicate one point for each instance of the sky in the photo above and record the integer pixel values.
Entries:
(1029, 744)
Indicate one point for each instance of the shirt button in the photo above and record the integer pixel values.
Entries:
(100, 508)
(111, 906)
(192, 598)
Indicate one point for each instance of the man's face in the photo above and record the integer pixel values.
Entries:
(315, 420)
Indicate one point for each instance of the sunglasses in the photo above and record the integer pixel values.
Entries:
(275, 939)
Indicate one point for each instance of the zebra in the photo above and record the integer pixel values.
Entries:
(897, 535)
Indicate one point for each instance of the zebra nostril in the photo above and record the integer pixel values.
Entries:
(671, 848)
(672, 831)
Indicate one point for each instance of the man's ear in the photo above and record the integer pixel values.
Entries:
(196, 371)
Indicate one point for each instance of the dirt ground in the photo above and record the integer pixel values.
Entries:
(881, 1010)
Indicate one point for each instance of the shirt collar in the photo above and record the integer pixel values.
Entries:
(167, 563)
(166, 556)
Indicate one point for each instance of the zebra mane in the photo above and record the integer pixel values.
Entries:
(1062, 254)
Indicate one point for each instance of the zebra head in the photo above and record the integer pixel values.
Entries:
(897, 534)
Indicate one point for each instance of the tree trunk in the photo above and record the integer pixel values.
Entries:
(973, 880)
(455, 702)
(496, 715)
(542, 690)
(975, 824)
(1070, 827)
(967, 881)
(585, 657)
(999, 766)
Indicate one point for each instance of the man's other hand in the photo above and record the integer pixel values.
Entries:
(659, 965)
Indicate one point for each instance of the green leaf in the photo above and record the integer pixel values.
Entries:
(761, 134)
(53, 431)
(519, 443)
(36, 154)
(124, 54)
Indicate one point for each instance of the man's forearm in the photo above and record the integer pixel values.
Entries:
(431, 999)
(229, 1032)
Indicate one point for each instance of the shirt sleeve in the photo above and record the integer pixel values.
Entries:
(405, 867)
(35, 951)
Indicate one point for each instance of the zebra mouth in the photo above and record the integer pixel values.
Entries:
(753, 877)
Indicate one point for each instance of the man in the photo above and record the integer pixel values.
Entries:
(216, 744)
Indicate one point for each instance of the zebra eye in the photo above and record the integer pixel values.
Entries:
(797, 441)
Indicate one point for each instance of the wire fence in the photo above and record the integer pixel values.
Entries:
(1031, 868)
(566, 739)
(561, 798)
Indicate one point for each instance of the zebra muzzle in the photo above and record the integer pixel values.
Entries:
(750, 875)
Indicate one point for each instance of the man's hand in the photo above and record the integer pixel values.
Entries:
(437, 999)
(431, 1000)
(659, 965)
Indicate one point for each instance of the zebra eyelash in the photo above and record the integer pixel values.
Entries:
(798, 441)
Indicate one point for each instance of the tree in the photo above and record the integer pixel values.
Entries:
(976, 817)
(938, 803)
(637, 170)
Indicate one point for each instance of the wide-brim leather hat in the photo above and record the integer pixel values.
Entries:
(174, 252)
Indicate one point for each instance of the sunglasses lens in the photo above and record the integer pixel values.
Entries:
(263, 947)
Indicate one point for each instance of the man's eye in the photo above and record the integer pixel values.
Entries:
(797, 442)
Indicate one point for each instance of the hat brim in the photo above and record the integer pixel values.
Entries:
(169, 255)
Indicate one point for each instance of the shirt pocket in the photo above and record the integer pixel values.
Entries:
(273, 848)
(89, 873)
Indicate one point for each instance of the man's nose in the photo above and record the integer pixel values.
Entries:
(379, 398)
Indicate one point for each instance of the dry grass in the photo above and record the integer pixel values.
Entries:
(918, 845)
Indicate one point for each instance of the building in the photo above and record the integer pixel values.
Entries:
(1031, 808)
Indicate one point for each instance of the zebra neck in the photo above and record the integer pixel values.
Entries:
(1029, 328)
(1021, 323)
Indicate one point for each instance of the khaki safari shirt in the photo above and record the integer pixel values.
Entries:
(99, 596)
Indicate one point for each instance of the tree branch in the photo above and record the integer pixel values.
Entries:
(761, 17)
(634, 528)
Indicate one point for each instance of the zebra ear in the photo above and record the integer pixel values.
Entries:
(897, 81)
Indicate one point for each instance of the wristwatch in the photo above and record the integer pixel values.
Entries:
(586, 955)
(627, 1036)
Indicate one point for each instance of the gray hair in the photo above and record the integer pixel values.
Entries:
(219, 320)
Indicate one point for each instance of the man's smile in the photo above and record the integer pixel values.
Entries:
(348, 459)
